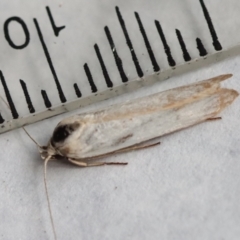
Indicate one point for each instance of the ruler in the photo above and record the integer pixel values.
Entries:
(53, 63)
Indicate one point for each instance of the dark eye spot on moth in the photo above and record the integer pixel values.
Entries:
(60, 134)
(63, 131)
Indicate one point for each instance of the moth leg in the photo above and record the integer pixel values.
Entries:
(93, 164)
(214, 118)
(81, 163)
(137, 147)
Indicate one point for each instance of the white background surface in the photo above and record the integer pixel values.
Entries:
(186, 188)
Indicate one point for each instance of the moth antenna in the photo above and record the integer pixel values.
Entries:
(5, 102)
(48, 201)
(45, 176)
(31, 137)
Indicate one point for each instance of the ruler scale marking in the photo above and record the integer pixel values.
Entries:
(102, 64)
(129, 43)
(9, 98)
(46, 99)
(27, 96)
(115, 54)
(49, 60)
(216, 43)
(90, 78)
(201, 48)
(167, 49)
(186, 55)
(77, 90)
(156, 67)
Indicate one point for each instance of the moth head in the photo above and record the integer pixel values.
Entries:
(45, 151)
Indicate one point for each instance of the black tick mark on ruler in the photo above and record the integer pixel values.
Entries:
(129, 43)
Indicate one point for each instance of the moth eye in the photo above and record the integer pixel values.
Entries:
(60, 134)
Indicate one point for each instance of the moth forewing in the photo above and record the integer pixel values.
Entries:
(89, 135)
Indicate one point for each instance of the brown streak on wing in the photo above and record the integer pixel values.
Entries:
(123, 139)
(214, 118)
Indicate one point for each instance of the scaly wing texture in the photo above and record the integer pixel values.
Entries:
(131, 123)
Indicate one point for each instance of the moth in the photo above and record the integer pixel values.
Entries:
(123, 127)
(84, 138)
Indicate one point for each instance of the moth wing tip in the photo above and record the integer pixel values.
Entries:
(225, 76)
(228, 96)
(234, 93)
(221, 78)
